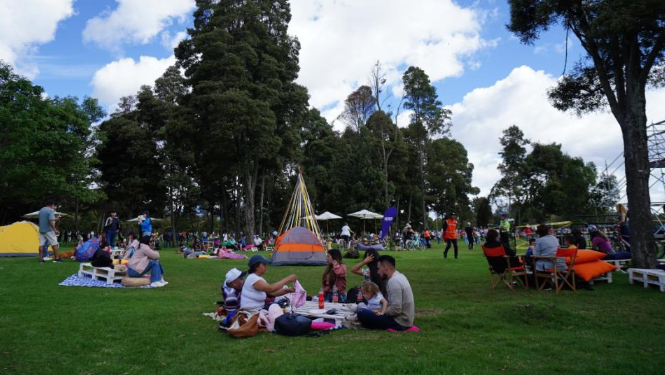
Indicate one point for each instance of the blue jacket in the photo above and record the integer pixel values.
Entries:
(146, 225)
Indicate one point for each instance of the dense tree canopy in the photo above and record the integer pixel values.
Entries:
(624, 41)
(45, 146)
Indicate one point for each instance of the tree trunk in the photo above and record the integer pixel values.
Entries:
(225, 211)
(237, 197)
(263, 189)
(76, 216)
(636, 154)
(250, 191)
(422, 183)
(408, 215)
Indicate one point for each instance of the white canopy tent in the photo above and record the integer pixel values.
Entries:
(325, 217)
(366, 215)
(34, 215)
(136, 219)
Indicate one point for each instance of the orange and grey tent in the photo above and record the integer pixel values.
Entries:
(298, 246)
(300, 237)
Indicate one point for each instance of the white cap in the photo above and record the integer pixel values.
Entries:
(234, 274)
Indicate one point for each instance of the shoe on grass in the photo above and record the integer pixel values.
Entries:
(57, 260)
(164, 282)
(157, 284)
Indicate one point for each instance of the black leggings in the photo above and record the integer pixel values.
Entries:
(450, 242)
(470, 240)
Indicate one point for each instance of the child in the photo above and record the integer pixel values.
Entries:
(530, 250)
(375, 300)
(569, 241)
(334, 276)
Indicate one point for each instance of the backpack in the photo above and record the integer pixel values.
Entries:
(293, 325)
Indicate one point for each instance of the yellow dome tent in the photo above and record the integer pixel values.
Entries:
(20, 239)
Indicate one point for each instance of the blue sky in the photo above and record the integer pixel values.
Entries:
(67, 64)
(109, 48)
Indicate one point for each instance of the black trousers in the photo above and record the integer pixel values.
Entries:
(448, 243)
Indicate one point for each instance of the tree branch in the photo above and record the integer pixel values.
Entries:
(591, 47)
(655, 51)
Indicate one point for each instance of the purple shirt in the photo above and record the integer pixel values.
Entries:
(601, 244)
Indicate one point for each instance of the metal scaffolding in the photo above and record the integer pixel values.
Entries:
(656, 144)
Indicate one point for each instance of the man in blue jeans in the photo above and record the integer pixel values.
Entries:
(111, 228)
(401, 307)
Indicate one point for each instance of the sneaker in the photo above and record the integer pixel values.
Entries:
(47, 258)
(164, 282)
(57, 260)
(157, 284)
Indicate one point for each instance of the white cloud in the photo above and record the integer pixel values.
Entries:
(135, 22)
(521, 99)
(172, 42)
(342, 39)
(24, 25)
(126, 76)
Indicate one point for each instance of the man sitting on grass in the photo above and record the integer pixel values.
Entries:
(401, 307)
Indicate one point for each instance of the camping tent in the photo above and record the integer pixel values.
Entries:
(20, 239)
(299, 241)
(298, 246)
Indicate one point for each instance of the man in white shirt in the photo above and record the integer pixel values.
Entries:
(346, 234)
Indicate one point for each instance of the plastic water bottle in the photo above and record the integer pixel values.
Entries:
(335, 297)
(321, 298)
(359, 296)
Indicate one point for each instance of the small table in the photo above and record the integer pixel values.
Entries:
(108, 274)
(647, 277)
(309, 306)
(117, 253)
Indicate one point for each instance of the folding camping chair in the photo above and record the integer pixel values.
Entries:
(555, 275)
(499, 264)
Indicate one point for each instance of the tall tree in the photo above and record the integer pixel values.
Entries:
(449, 175)
(129, 160)
(44, 146)
(429, 118)
(358, 107)
(624, 41)
(483, 212)
(241, 65)
(512, 167)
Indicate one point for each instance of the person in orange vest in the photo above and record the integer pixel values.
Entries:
(450, 234)
(427, 236)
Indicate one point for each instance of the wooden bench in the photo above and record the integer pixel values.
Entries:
(101, 273)
(604, 277)
(621, 264)
(647, 277)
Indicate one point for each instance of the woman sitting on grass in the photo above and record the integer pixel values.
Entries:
(256, 289)
(146, 260)
(334, 276)
(371, 260)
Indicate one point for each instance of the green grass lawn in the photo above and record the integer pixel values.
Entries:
(467, 328)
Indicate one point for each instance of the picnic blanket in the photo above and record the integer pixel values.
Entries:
(74, 280)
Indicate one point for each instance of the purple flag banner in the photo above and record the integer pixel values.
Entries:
(388, 218)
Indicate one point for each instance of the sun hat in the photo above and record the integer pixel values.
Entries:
(234, 274)
(258, 259)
